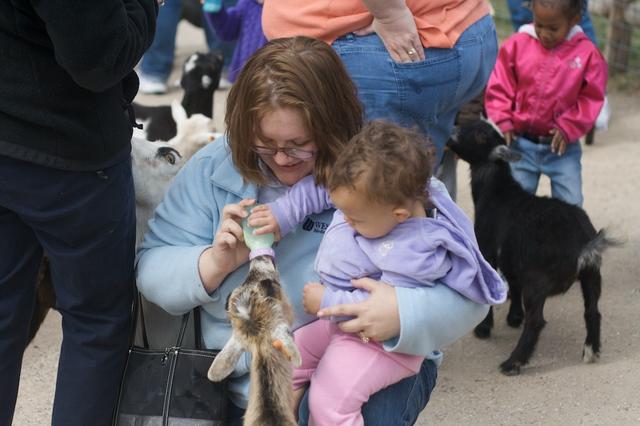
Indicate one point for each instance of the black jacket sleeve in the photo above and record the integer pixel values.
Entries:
(98, 42)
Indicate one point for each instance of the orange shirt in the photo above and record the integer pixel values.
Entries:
(439, 22)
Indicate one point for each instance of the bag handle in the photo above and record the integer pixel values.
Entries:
(197, 328)
(183, 329)
(138, 315)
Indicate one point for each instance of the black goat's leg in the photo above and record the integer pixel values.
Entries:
(591, 283)
(483, 330)
(516, 314)
(533, 324)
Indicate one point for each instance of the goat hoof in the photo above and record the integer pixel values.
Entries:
(510, 368)
(514, 321)
(589, 355)
(482, 332)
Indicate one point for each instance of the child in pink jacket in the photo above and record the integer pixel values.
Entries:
(544, 93)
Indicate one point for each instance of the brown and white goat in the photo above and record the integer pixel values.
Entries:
(261, 316)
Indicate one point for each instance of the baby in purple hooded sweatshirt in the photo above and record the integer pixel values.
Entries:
(393, 223)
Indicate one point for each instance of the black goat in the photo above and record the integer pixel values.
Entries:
(541, 245)
(200, 78)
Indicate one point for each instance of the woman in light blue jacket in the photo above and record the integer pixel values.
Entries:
(291, 110)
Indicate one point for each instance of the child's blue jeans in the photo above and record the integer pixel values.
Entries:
(564, 171)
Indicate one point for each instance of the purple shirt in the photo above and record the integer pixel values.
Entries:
(415, 253)
(243, 23)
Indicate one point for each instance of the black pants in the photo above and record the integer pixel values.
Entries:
(85, 222)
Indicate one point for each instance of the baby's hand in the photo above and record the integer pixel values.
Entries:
(312, 297)
(264, 222)
(558, 143)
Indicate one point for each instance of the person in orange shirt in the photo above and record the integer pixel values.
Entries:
(414, 62)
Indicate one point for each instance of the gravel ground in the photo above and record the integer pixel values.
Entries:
(556, 387)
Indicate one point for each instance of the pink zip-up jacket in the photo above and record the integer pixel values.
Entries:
(533, 89)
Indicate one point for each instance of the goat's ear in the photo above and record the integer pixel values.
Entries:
(178, 113)
(288, 347)
(226, 360)
(504, 153)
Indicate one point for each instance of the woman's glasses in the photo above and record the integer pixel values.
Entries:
(300, 154)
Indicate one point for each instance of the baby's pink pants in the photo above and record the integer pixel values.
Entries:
(344, 372)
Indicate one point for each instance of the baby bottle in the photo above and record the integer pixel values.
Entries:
(259, 245)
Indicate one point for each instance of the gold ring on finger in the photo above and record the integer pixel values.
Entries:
(364, 338)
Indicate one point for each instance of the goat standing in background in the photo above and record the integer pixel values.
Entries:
(192, 131)
(153, 165)
(200, 78)
(540, 244)
(261, 316)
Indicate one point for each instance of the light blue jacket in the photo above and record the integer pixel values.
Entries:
(184, 224)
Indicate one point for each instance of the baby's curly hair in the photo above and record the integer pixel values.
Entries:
(389, 163)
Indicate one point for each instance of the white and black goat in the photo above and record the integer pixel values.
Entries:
(261, 316)
(153, 165)
(192, 131)
(541, 245)
(200, 78)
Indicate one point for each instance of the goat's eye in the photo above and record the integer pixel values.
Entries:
(171, 159)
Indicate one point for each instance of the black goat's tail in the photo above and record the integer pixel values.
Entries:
(591, 254)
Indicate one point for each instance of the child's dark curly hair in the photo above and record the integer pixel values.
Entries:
(570, 8)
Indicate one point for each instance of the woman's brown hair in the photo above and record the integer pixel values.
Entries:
(300, 73)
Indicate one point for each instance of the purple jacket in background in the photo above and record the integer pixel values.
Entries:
(417, 252)
(243, 23)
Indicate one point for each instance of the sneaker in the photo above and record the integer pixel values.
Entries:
(224, 84)
(152, 85)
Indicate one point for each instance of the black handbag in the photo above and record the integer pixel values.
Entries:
(169, 386)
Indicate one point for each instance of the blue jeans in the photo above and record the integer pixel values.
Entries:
(427, 94)
(564, 171)
(157, 62)
(521, 15)
(398, 404)
(85, 222)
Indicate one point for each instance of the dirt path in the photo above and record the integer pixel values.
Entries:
(556, 388)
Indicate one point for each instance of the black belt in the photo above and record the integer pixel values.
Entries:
(543, 140)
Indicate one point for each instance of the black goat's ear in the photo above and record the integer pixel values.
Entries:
(504, 153)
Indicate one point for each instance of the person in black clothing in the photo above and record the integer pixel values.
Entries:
(66, 84)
